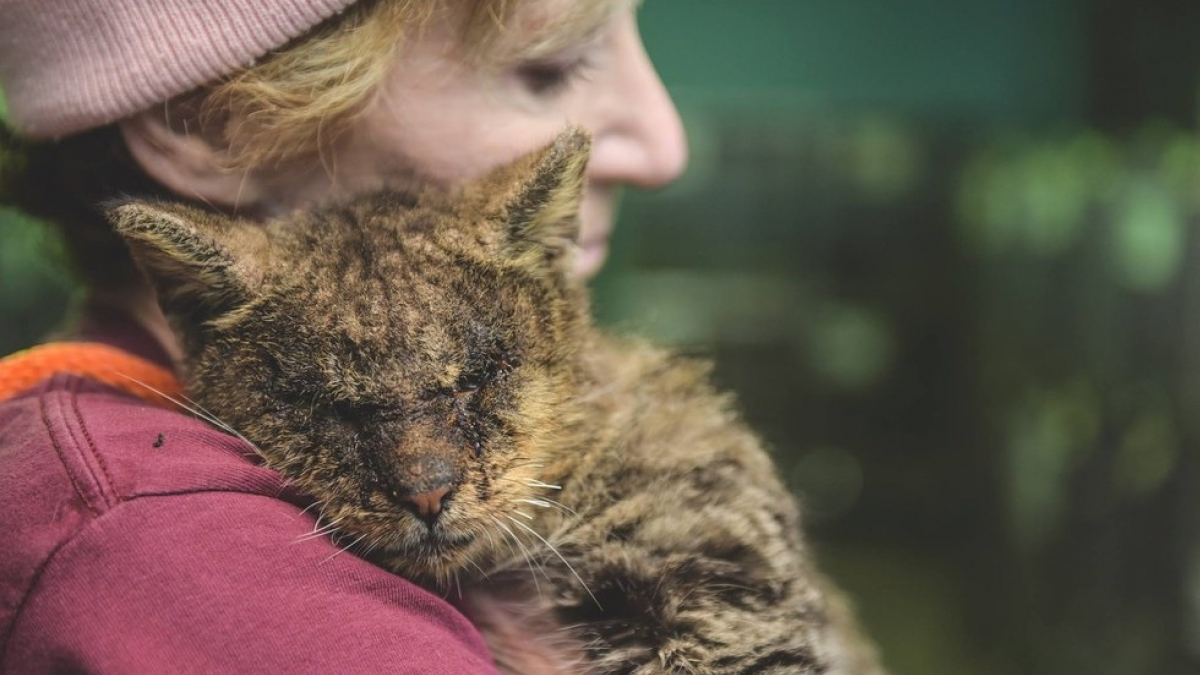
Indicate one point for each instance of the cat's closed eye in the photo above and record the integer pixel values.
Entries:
(477, 376)
(469, 381)
(358, 412)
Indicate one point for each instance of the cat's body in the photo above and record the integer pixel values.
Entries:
(425, 367)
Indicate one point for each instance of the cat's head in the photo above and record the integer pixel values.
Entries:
(410, 361)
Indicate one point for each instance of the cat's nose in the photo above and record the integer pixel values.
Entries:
(423, 484)
(428, 505)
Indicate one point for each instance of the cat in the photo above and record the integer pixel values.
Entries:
(424, 366)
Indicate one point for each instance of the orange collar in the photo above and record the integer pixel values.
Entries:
(114, 367)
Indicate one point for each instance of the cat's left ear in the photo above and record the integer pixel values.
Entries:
(199, 262)
(538, 197)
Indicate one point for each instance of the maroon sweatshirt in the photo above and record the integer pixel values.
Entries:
(138, 540)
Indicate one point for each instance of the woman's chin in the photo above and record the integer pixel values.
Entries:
(590, 258)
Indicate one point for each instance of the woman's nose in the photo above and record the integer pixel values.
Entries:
(640, 139)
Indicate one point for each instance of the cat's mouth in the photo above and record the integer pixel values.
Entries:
(448, 541)
(430, 557)
(431, 544)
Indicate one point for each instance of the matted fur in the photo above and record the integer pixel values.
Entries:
(608, 510)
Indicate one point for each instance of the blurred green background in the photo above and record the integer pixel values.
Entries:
(946, 254)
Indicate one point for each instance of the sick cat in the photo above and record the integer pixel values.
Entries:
(424, 366)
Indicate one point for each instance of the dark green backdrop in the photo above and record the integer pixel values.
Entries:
(945, 252)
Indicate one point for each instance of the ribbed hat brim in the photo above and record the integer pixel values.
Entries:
(71, 65)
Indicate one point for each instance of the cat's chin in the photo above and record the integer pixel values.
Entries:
(445, 542)
(430, 557)
(436, 563)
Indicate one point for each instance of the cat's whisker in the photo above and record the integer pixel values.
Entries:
(520, 546)
(210, 416)
(546, 503)
(526, 553)
(472, 563)
(148, 387)
(566, 514)
(315, 535)
(560, 506)
(317, 525)
(194, 408)
(343, 549)
(488, 533)
(507, 539)
(536, 497)
(371, 547)
(524, 515)
(539, 484)
(319, 503)
(319, 530)
(285, 484)
(560, 557)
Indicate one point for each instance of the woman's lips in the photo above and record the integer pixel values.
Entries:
(591, 256)
(596, 223)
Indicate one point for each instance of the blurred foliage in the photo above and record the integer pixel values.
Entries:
(946, 254)
(33, 290)
(974, 365)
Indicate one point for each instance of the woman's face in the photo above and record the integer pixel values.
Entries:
(439, 118)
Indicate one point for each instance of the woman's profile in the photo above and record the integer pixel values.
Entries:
(144, 541)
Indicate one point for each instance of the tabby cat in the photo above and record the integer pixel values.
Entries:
(424, 366)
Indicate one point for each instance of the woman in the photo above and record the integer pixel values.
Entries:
(138, 540)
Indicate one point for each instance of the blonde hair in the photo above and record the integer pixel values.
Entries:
(298, 99)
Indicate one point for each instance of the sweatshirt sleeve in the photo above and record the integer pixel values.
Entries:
(228, 582)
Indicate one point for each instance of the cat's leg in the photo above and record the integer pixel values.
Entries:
(521, 628)
(698, 570)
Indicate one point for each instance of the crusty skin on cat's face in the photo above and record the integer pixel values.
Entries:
(406, 359)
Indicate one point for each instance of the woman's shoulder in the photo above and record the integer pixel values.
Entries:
(78, 439)
(125, 514)
(74, 452)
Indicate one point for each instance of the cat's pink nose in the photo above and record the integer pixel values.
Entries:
(428, 504)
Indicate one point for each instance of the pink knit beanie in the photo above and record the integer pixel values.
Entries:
(70, 65)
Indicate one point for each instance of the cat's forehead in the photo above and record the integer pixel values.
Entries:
(382, 275)
(378, 233)
(398, 298)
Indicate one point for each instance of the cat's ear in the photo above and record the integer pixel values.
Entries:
(538, 199)
(186, 254)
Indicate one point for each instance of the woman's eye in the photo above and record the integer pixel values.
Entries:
(547, 78)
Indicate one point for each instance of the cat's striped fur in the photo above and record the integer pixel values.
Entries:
(425, 367)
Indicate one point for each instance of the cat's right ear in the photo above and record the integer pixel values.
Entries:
(537, 198)
(180, 250)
